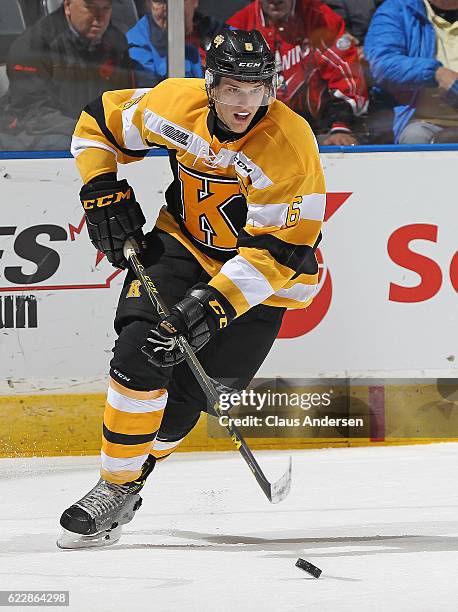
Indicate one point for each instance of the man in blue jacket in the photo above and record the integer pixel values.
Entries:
(412, 48)
(148, 44)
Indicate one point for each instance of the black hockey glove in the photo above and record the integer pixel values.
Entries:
(112, 216)
(199, 315)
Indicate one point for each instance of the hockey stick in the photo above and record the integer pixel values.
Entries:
(276, 491)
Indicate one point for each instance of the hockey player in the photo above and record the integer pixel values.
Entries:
(233, 248)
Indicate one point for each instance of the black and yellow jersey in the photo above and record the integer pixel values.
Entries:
(249, 210)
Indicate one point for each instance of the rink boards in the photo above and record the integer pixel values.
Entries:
(386, 306)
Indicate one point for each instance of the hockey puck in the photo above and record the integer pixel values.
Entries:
(308, 567)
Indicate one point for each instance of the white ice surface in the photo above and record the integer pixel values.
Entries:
(380, 522)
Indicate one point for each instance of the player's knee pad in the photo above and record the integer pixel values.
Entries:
(130, 367)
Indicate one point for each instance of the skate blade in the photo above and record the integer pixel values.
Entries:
(68, 540)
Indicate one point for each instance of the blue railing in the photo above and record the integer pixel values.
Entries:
(163, 153)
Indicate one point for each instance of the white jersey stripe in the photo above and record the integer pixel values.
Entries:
(81, 144)
(127, 404)
(313, 206)
(267, 215)
(246, 167)
(254, 285)
(175, 134)
(299, 292)
(130, 132)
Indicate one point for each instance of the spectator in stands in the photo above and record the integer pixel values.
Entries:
(148, 44)
(320, 74)
(413, 52)
(148, 41)
(56, 67)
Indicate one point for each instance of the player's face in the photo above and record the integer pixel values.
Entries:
(277, 10)
(90, 18)
(237, 102)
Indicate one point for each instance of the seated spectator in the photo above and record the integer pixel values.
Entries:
(412, 49)
(320, 74)
(148, 44)
(55, 68)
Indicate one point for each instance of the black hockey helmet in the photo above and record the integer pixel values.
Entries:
(241, 55)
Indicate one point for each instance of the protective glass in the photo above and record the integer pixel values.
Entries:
(233, 92)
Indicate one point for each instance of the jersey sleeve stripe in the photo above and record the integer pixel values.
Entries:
(95, 109)
(305, 279)
(130, 132)
(304, 232)
(277, 274)
(248, 279)
(231, 292)
(266, 215)
(94, 161)
(79, 145)
(298, 292)
(282, 302)
(292, 256)
(311, 206)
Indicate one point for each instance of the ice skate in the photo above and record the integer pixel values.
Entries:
(97, 518)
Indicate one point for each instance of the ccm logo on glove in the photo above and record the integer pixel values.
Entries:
(112, 216)
(106, 200)
(219, 310)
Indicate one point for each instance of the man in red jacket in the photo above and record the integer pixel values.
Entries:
(319, 70)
